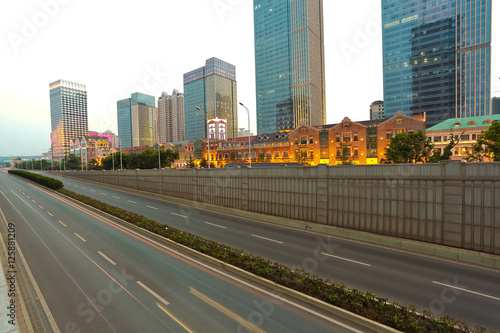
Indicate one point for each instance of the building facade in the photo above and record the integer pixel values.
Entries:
(346, 142)
(495, 105)
(465, 131)
(171, 117)
(289, 64)
(68, 115)
(137, 118)
(377, 110)
(436, 58)
(213, 89)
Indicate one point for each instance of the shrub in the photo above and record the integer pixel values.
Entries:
(39, 179)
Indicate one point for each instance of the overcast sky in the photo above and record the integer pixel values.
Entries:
(120, 47)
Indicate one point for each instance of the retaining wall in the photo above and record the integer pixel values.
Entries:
(453, 203)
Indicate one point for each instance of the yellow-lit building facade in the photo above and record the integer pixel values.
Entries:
(346, 142)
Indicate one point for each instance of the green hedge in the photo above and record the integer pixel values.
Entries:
(367, 305)
(42, 180)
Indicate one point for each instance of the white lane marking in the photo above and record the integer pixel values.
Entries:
(467, 291)
(24, 193)
(102, 193)
(84, 188)
(50, 214)
(153, 293)
(153, 207)
(106, 257)
(92, 190)
(40, 206)
(63, 223)
(268, 239)
(83, 239)
(33, 201)
(216, 225)
(28, 197)
(184, 216)
(132, 201)
(116, 197)
(345, 259)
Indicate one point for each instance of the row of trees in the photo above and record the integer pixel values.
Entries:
(417, 148)
(148, 159)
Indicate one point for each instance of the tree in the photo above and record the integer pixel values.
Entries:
(204, 163)
(343, 153)
(486, 146)
(408, 148)
(233, 156)
(300, 153)
(190, 163)
(447, 152)
(73, 162)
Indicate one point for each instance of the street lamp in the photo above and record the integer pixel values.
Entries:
(208, 135)
(249, 149)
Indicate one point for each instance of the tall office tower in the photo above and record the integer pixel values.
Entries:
(213, 89)
(495, 105)
(377, 110)
(137, 120)
(289, 64)
(171, 117)
(68, 115)
(437, 58)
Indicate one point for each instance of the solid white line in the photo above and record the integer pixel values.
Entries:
(467, 291)
(116, 197)
(50, 214)
(153, 207)
(63, 223)
(354, 261)
(184, 216)
(216, 225)
(268, 239)
(106, 257)
(77, 235)
(153, 293)
(132, 201)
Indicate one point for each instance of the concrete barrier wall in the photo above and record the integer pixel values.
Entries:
(453, 203)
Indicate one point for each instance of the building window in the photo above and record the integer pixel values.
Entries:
(355, 151)
(398, 131)
(355, 136)
(277, 154)
(303, 140)
(437, 139)
(285, 154)
(311, 140)
(337, 138)
(346, 137)
(388, 134)
(465, 137)
(474, 137)
(399, 121)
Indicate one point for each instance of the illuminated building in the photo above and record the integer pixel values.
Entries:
(465, 130)
(68, 115)
(212, 88)
(362, 142)
(289, 64)
(137, 118)
(217, 128)
(437, 58)
(171, 117)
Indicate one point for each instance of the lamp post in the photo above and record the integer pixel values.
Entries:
(249, 147)
(208, 135)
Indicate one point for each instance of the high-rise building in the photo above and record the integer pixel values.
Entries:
(289, 64)
(212, 88)
(495, 105)
(68, 115)
(171, 117)
(377, 110)
(137, 120)
(437, 58)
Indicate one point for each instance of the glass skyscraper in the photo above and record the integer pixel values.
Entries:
(437, 58)
(213, 89)
(135, 117)
(68, 115)
(289, 64)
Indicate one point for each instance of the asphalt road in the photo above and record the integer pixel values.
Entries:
(468, 293)
(96, 275)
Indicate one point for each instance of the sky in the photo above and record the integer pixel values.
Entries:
(117, 48)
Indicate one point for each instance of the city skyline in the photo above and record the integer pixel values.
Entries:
(32, 32)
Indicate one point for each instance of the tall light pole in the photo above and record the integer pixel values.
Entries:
(249, 147)
(208, 135)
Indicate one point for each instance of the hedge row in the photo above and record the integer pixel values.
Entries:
(367, 305)
(42, 180)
